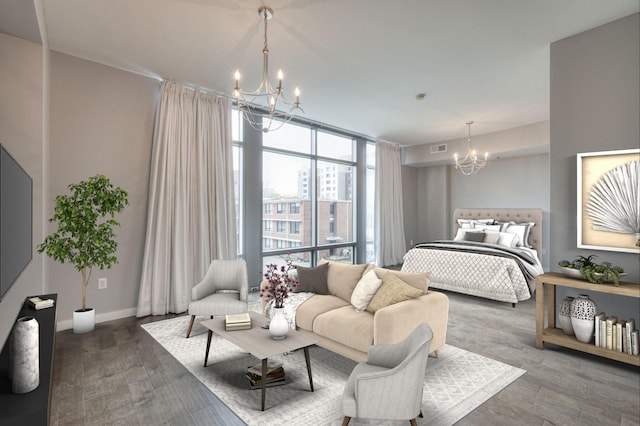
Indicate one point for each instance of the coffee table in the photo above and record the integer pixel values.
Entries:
(258, 342)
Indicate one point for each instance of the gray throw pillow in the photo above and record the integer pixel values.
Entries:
(313, 280)
(477, 237)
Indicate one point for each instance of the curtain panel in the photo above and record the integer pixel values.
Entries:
(389, 217)
(191, 205)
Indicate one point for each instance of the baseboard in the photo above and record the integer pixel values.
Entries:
(107, 316)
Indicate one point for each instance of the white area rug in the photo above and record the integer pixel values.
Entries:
(455, 384)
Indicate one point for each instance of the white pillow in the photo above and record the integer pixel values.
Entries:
(508, 239)
(522, 230)
(491, 237)
(468, 223)
(495, 228)
(365, 290)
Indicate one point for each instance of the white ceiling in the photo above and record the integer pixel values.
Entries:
(358, 63)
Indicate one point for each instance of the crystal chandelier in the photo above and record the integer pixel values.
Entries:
(252, 104)
(470, 164)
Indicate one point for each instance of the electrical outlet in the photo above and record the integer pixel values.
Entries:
(102, 283)
(254, 289)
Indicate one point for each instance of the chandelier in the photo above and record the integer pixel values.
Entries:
(470, 164)
(266, 109)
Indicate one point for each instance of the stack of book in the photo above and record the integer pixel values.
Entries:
(616, 335)
(275, 374)
(37, 303)
(237, 322)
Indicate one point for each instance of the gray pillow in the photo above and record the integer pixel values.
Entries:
(477, 237)
(313, 280)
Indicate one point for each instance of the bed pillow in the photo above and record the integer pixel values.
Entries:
(468, 223)
(476, 237)
(491, 237)
(482, 227)
(507, 239)
(313, 280)
(393, 290)
(522, 230)
(365, 290)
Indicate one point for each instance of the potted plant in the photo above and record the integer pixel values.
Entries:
(594, 272)
(85, 236)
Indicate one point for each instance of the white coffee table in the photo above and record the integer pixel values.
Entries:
(258, 342)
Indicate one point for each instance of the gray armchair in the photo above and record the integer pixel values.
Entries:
(389, 385)
(222, 291)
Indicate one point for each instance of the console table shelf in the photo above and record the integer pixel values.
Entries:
(554, 335)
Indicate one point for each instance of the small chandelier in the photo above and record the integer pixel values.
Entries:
(251, 104)
(470, 164)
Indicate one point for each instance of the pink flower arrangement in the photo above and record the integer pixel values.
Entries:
(280, 283)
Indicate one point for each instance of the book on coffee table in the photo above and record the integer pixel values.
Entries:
(238, 322)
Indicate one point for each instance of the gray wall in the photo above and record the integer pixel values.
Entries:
(101, 122)
(519, 182)
(21, 118)
(595, 97)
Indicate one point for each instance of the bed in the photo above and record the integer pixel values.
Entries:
(481, 259)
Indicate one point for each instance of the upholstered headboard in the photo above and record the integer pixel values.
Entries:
(505, 215)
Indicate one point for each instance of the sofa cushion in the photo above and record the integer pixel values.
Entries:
(346, 326)
(313, 280)
(365, 289)
(419, 280)
(392, 290)
(314, 306)
(342, 278)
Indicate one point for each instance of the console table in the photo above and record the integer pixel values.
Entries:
(30, 408)
(554, 335)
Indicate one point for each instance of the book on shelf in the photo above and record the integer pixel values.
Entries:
(37, 303)
(610, 322)
(629, 327)
(271, 367)
(258, 384)
(619, 334)
(275, 374)
(597, 326)
(271, 376)
(237, 322)
(634, 343)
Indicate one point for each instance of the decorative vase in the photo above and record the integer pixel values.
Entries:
(583, 311)
(278, 326)
(564, 314)
(24, 364)
(84, 320)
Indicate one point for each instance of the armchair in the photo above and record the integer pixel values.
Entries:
(222, 291)
(389, 385)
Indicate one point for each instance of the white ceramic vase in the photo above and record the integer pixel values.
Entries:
(564, 315)
(24, 364)
(583, 311)
(278, 326)
(84, 320)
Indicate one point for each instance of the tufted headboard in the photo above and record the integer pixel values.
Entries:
(505, 215)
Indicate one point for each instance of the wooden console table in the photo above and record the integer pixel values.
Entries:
(554, 335)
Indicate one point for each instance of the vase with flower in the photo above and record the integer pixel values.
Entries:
(280, 284)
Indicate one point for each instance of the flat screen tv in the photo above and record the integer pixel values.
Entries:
(16, 203)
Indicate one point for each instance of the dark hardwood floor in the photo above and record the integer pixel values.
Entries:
(119, 375)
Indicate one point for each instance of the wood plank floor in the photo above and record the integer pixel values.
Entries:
(119, 375)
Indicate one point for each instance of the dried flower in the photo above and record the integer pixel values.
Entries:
(280, 282)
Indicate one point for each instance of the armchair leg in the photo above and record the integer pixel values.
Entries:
(346, 420)
(413, 422)
(436, 353)
(193, 318)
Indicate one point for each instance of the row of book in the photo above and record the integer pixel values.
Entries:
(237, 322)
(275, 374)
(616, 334)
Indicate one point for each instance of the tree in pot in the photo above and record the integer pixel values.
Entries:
(85, 236)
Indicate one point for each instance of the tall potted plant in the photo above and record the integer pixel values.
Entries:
(85, 236)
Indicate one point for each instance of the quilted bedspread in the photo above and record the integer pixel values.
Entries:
(489, 276)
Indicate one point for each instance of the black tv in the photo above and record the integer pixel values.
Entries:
(16, 204)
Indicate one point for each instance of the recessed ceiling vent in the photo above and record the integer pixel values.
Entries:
(438, 149)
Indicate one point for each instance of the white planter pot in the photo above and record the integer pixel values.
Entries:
(564, 315)
(278, 326)
(84, 320)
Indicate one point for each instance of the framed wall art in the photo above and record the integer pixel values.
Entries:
(608, 200)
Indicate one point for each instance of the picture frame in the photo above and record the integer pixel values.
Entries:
(600, 175)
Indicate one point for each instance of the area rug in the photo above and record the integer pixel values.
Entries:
(455, 384)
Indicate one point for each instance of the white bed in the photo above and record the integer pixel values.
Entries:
(484, 267)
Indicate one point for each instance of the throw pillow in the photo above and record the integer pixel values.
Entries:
(491, 237)
(419, 280)
(507, 239)
(313, 280)
(393, 290)
(365, 290)
(476, 237)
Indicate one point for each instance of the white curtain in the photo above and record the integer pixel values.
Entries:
(389, 225)
(191, 206)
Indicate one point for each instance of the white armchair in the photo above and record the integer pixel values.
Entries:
(222, 291)
(389, 385)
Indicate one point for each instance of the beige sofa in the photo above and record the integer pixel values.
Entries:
(333, 321)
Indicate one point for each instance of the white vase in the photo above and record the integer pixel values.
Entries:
(564, 315)
(278, 326)
(84, 320)
(24, 365)
(583, 312)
